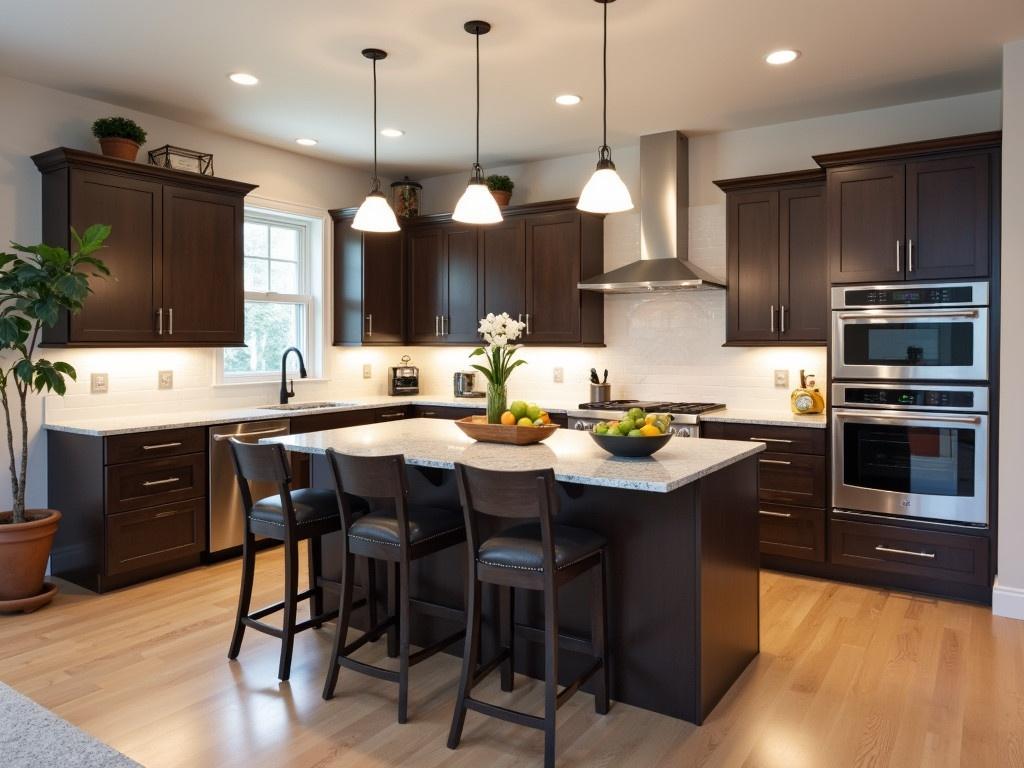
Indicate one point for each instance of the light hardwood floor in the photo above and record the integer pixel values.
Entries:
(848, 676)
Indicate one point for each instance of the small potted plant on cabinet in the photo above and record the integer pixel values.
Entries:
(37, 283)
(119, 137)
(501, 187)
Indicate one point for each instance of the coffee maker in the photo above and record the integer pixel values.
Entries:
(404, 379)
(465, 384)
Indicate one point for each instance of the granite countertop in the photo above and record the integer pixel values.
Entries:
(574, 456)
(766, 417)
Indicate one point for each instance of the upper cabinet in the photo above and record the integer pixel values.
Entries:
(913, 212)
(174, 252)
(777, 268)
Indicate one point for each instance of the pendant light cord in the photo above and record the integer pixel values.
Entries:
(477, 170)
(605, 152)
(376, 179)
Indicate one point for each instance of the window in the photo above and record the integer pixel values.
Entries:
(279, 298)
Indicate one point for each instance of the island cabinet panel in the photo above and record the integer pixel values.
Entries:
(175, 251)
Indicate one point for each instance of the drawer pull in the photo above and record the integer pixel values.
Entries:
(775, 461)
(768, 513)
(429, 413)
(160, 446)
(892, 551)
(392, 415)
(165, 481)
(769, 440)
(240, 435)
(167, 513)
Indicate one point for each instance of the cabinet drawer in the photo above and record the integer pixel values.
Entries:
(792, 478)
(910, 551)
(778, 439)
(154, 445)
(158, 481)
(154, 535)
(391, 414)
(792, 532)
(318, 422)
(443, 412)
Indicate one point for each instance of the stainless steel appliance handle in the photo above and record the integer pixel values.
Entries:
(894, 551)
(903, 315)
(165, 481)
(908, 417)
(782, 318)
(170, 321)
(898, 256)
(369, 321)
(279, 430)
(769, 440)
(160, 321)
(775, 461)
(771, 318)
(769, 513)
(910, 255)
(158, 446)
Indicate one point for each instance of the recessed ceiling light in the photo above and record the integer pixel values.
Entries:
(306, 142)
(568, 99)
(243, 78)
(392, 133)
(785, 56)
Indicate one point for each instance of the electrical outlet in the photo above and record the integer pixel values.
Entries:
(367, 371)
(782, 378)
(98, 383)
(559, 375)
(165, 380)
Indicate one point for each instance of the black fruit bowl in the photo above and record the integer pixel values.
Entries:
(631, 447)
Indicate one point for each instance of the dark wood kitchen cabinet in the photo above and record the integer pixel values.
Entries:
(443, 287)
(175, 251)
(503, 268)
(920, 211)
(369, 284)
(777, 268)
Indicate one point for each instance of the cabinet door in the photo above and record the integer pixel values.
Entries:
(462, 315)
(866, 223)
(553, 304)
(349, 321)
(428, 284)
(803, 267)
(122, 308)
(752, 222)
(948, 218)
(383, 320)
(202, 267)
(503, 268)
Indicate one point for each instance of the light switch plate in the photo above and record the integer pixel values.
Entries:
(559, 375)
(165, 380)
(782, 378)
(98, 383)
(367, 371)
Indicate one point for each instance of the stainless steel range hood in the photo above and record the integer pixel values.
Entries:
(664, 226)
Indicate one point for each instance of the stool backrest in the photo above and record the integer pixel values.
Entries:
(375, 478)
(262, 464)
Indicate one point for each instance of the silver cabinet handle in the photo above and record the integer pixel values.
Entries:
(160, 321)
(165, 481)
(159, 446)
(167, 513)
(775, 461)
(436, 320)
(769, 440)
(782, 318)
(443, 332)
(771, 318)
(768, 513)
(528, 331)
(894, 551)
(392, 415)
(428, 414)
(369, 321)
(276, 431)
(910, 255)
(520, 317)
(898, 256)
(170, 321)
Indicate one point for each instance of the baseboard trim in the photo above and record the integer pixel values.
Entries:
(1007, 601)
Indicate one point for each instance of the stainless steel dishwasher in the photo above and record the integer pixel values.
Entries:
(225, 511)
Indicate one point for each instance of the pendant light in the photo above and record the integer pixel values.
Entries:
(375, 215)
(605, 192)
(477, 205)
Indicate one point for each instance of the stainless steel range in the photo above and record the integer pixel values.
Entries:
(685, 416)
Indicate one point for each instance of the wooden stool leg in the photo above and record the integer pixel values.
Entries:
(341, 630)
(291, 589)
(470, 655)
(507, 622)
(371, 590)
(314, 553)
(403, 643)
(393, 611)
(550, 671)
(244, 592)
(599, 630)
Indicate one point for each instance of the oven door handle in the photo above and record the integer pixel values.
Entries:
(869, 315)
(907, 417)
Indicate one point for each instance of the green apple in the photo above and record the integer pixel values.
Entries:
(635, 433)
(636, 414)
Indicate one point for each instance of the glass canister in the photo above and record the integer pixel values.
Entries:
(406, 197)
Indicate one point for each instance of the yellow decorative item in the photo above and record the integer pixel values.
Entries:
(808, 398)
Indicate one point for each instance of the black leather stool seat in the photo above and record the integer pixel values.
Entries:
(312, 505)
(424, 523)
(520, 547)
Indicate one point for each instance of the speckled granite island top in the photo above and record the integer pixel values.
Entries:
(573, 455)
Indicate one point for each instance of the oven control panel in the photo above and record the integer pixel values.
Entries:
(910, 296)
(944, 398)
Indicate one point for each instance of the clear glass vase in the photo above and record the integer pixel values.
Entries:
(497, 402)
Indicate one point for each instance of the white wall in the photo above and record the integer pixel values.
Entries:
(36, 119)
(1008, 595)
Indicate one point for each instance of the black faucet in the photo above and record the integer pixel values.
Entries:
(287, 391)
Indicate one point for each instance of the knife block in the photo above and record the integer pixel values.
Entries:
(600, 393)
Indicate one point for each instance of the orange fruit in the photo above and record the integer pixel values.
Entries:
(508, 418)
(545, 418)
(649, 430)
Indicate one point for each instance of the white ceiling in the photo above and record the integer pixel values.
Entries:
(695, 65)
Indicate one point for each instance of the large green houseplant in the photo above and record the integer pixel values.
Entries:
(37, 284)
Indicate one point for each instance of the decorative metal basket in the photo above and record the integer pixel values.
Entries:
(182, 159)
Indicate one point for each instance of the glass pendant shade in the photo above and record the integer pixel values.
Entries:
(605, 192)
(477, 205)
(375, 215)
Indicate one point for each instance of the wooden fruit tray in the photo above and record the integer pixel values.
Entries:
(478, 429)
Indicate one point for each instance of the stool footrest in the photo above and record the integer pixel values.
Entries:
(274, 607)
(368, 636)
(425, 653)
(259, 626)
(490, 666)
(504, 713)
(565, 694)
(570, 643)
(368, 669)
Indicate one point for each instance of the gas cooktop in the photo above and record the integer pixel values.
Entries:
(653, 406)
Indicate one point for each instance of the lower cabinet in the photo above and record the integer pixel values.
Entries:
(797, 532)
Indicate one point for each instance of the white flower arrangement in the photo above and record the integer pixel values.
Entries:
(499, 331)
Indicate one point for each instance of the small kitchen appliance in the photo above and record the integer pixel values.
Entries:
(807, 398)
(465, 384)
(404, 379)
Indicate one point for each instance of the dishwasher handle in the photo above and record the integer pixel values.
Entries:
(279, 430)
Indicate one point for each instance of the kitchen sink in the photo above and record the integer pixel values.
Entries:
(304, 406)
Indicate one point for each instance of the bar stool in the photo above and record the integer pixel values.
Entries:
(288, 517)
(540, 556)
(398, 533)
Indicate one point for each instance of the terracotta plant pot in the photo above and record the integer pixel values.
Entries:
(122, 149)
(24, 550)
(501, 196)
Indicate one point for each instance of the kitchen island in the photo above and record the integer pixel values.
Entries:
(682, 531)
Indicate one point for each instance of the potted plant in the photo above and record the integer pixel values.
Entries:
(501, 187)
(498, 332)
(119, 137)
(36, 284)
